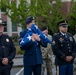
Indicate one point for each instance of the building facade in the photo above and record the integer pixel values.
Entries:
(12, 30)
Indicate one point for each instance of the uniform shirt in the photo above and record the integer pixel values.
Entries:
(62, 47)
(47, 52)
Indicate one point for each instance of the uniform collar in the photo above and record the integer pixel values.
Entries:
(62, 33)
(1, 36)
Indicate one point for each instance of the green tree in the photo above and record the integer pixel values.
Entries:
(45, 12)
(72, 16)
(18, 13)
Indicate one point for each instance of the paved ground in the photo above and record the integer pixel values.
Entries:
(17, 71)
(18, 66)
(18, 61)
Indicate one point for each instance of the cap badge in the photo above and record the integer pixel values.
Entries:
(65, 21)
(33, 18)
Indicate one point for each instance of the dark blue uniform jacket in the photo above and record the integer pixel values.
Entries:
(32, 51)
(7, 49)
(62, 47)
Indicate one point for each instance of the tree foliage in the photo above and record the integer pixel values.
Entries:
(44, 11)
(18, 13)
(72, 16)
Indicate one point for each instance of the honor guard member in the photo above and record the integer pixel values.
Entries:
(32, 58)
(7, 51)
(75, 58)
(47, 54)
(64, 48)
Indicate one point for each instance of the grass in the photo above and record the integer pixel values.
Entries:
(18, 50)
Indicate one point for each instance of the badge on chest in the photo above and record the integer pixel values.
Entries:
(7, 40)
(61, 40)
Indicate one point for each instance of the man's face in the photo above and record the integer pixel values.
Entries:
(33, 22)
(45, 32)
(1, 28)
(63, 29)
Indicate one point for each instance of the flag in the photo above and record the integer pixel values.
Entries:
(34, 29)
(42, 36)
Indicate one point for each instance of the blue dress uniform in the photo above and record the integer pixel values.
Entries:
(62, 47)
(32, 58)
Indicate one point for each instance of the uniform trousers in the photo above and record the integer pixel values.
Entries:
(66, 69)
(4, 71)
(47, 64)
(35, 69)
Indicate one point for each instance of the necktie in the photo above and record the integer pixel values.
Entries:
(65, 35)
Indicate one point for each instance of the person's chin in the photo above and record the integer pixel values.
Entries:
(1, 32)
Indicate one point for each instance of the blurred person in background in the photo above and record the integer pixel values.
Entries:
(75, 58)
(47, 54)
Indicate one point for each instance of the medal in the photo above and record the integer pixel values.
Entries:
(61, 40)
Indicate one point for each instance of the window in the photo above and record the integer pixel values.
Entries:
(14, 27)
(5, 27)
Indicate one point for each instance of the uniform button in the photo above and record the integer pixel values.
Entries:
(3, 46)
(61, 45)
(69, 47)
(68, 44)
(69, 50)
(36, 49)
(67, 41)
